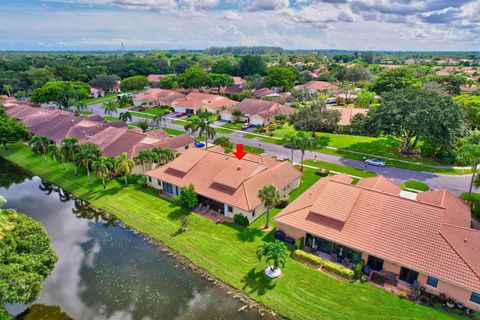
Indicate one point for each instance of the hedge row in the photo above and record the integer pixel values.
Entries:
(312, 259)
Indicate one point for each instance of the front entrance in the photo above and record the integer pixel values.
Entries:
(408, 275)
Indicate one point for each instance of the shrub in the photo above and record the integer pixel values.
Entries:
(476, 209)
(312, 259)
(142, 181)
(188, 198)
(224, 142)
(241, 220)
(338, 269)
(283, 202)
(299, 243)
(359, 269)
(322, 172)
(131, 179)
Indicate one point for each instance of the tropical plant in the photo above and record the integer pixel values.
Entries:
(236, 115)
(69, 148)
(207, 129)
(275, 254)
(144, 125)
(157, 120)
(469, 154)
(147, 157)
(80, 105)
(39, 145)
(86, 156)
(124, 166)
(125, 116)
(110, 107)
(269, 196)
(293, 141)
(56, 154)
(103, 166)
(165, 155)
(188, 198)
(305, 142)
(192, 126)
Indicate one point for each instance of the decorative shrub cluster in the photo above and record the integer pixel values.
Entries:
(241, 220)
(322, 172)
(312, 259)
(338, 269)
(283, 202)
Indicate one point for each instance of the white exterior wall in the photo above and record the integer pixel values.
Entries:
(225, 116)
(255, 121)
(179, 109)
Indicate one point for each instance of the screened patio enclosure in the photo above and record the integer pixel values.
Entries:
(331, 248)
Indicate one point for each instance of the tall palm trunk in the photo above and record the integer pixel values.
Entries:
(45, 157)
(303, 154)
(88, 173)
(74, 169)
(475, 168)
(63, 164)
(126, 180)
(103, 181)
(292, 152)
(268, 218)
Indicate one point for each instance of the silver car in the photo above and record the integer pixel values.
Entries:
(375, 162)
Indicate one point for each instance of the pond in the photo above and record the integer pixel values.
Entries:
(106, 271)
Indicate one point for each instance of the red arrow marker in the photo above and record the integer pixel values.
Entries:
(239, 153)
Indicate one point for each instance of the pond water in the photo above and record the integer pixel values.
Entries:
(106, 271)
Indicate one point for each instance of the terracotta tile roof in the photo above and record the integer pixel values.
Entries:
(319, 86)
(211, 174)
(347, 114)
(156, 77)
(95, 118)
(262, 108)
(380, 183)
(416, 234)
(96, 90)
(198, 100)
(158, 96)
(260, 93)
(55, 128)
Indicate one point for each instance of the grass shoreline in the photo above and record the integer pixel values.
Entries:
(301, 292)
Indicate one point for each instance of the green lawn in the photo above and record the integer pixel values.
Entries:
(228, 251)
(156, 111)
(340, 168)
(109, 118)
(108, 96)
(173, 132)
(234, 126)
(254, 150)
(475, 196)
(85, 113)
(415, 185)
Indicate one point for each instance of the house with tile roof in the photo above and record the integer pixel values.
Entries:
(257, 112)
(424, 241)
(196, 101)
(156, 97)
(225, 184)
(315, 86)
(346, 115)
(155, 78)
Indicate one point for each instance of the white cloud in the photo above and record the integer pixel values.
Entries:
(266, 5)
(231, 15)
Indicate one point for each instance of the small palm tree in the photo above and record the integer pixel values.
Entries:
(56, 154)
(147, 157)
(110, 107)
(86, 156)
(192, 126)
(125, 116)
(103, 166)
(207, 129)
(305, 142)
(124, 166)
(69, 148)
(157, 120)
(270, 196)
(39, 145)
(293, 140)
(275, 254)
(80, 105)
(165, 155)
(237, 114)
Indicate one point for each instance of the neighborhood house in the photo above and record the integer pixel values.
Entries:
(156, 97)
(224, 184)
(196, 101)
(257, 112)
(410, 242)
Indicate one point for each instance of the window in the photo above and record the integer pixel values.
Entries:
(230, 209)
(432, 282)
(475, 297)
(168, 188)
(149, 179)
(159, 182)
(253, 213)
(375, 263)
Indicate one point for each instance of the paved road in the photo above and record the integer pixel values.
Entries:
(455, 183)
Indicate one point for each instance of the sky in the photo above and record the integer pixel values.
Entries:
(410, 25)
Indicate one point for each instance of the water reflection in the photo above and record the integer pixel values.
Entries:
(106, 271)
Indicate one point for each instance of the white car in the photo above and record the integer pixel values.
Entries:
(246, 125)
(375, 162)
(330, 100)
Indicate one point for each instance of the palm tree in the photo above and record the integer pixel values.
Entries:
(237, 114)
(102, 166)
(469, 153)
(69, 147)
(80, 105)
(39, 145)
(165, 155)
(275, 254)
(270, 196)
(125, 116)
(124, 166)
(207, 129)
(147, 156)
(86, 156)
(157, 120)
(293, 140)
(56, 154)
(192, 126)
(305, 142)
(110, 107)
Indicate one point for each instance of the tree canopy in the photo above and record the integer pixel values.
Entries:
(134, 83)
(63, 93)
(250, 65)
(193, 78)
(281, 77)
(413, 114)
(394, 79)
(11, 131)
(26, 257)
(315, 118)
(104, 81)
(471, 107)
